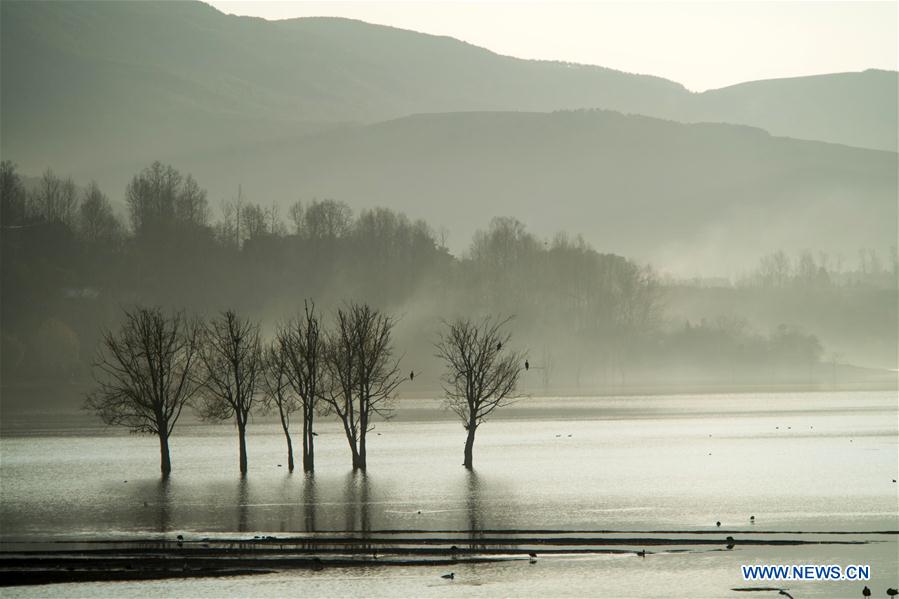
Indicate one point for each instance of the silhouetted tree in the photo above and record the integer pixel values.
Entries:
(55, 200)
(481, 372)
(296, 214)
(13, 199)
(363, 375)
(160, 198)
(254, 221)
(327, 220)
(301, 345)
(233, 364)
(191, 205)
(97, 222)
(147, 373)
(278, 392)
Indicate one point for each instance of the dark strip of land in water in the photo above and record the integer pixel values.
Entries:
(143, 559)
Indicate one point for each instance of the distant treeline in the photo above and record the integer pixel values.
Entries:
(71, 262)
(821, 270)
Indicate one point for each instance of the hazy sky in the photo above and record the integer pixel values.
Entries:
(700, 44)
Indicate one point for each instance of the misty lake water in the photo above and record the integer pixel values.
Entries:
(809, 463)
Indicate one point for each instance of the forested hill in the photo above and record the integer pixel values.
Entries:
(591, 319)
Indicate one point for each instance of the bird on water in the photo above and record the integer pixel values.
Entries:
(866, 592)
(718, 523)
(449, 576)
(892, 592)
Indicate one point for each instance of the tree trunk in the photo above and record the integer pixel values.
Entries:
(165, 462)
(242, 434)
(469, 447)
(309, 444)
(285, 426)
(350, 439)
(362, 449)
(363, 429)
(358, 459)
(289, 451)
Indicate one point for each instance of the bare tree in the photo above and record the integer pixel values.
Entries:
(13, 197)
(296, 212)
(481, 372)
(97, 222)
(233, 361)
(146, 374)
(278, 392)
(363, 375)
(327, 220)
(54, 200)
(301, 345)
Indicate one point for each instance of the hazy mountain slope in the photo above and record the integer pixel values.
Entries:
(93, 83)
(719, 195)
(84, 82)
(108, 84)
(857, 109)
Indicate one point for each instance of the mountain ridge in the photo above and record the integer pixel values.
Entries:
(202, 78)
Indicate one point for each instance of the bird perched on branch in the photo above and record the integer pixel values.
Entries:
(527, 365)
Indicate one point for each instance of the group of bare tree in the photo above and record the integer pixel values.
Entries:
(158, 364)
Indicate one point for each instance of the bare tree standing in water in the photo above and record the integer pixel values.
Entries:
(232, 357)
(278, 392)
(301, 345)
(146, 374)
(481, 372)
(363, 375)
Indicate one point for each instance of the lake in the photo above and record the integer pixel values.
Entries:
(804, 464)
